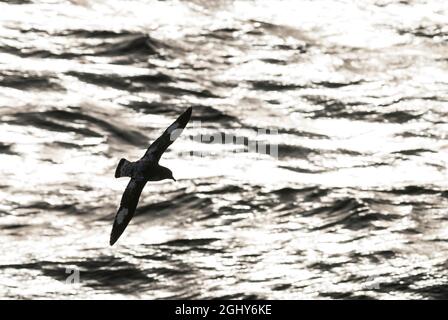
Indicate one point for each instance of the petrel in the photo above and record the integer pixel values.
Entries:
(144, 170)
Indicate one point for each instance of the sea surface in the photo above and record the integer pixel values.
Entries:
(354, 98)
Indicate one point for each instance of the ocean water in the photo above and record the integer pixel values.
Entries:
(354, 97)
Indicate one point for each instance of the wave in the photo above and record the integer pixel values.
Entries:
(30, 81)
(70, 120)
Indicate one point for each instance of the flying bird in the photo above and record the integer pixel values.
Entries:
(144, 170)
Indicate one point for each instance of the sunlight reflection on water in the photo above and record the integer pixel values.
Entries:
(352, 207)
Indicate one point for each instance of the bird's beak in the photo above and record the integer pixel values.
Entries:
(173, 178)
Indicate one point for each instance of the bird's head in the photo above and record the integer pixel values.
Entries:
(167, 173)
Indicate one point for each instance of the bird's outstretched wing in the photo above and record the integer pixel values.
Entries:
(158, 147)
(127, 208)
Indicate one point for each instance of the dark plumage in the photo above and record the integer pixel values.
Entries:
(144, 170)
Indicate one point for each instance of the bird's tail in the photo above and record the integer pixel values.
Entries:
(124, 168)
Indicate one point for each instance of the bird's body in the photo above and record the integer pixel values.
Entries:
(144, 170)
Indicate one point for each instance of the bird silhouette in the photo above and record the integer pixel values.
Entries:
(144, 170)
